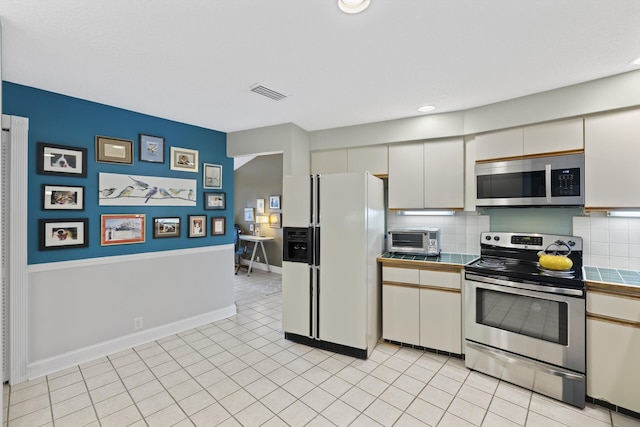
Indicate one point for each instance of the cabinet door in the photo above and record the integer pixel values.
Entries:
(406, 178)
(612, 156)
(332, 161)
(612, 363)
(497, 145)
(373, 159)
(440, 320)
(444, 174)
(401, 314)
(567, 135)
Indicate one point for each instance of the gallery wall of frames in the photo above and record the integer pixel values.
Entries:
(106, 181)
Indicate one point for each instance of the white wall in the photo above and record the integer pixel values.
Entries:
(80, 310)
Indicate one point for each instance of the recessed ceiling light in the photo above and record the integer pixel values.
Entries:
(353, 6)
(426, 108)
(635, 62)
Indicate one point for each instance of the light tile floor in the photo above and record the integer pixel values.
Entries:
(241, 371)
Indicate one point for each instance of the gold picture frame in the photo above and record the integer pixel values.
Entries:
(114, 150)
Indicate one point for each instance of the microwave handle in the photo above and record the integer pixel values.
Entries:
(547, 182)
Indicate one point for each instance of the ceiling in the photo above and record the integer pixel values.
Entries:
(194, 61)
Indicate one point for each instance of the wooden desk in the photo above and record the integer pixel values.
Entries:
(257, 241)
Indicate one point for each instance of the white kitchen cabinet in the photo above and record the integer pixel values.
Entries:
(612, 156)
(427, 175)
(401, 313)
(331, 161)
(440, 320)
(613, 346)
(444, 174)
(406, 176)
(555, 137)
(374, 159)
(500, 144)
(422, 307)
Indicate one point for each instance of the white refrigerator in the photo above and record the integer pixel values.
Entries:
(331, 289)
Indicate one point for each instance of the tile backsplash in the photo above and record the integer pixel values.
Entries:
(460, 233)
(609, 242)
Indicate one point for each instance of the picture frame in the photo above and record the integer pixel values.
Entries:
(114, 150)
(259, 206)
(166, 227)
(215, 200)
(218, 226)
(62, 197)
(184, 159)
(150, 148)
(197, 225)
(249, 215)
(54, 159)
(275, 220)
(120, 229)
(274, 202)
(212, 176)
(63, 233)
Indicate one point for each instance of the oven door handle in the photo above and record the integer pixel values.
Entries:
(512, 358)
(528, 286)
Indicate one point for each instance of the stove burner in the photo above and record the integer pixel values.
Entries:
(492, 263)
(567, 274)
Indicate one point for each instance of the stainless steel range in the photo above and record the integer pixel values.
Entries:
(525, 324)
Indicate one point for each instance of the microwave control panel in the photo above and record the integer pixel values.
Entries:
(565, 182)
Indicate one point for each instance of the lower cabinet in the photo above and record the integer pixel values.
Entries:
(440, 320)
(422, 307)
(613, 348)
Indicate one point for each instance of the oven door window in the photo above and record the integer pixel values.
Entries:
(512, 185)
(535, 317)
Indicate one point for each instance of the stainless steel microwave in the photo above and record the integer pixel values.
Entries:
(542, 181)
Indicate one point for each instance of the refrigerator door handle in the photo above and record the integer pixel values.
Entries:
(318, 199)
(311, 199)
(311, 293)
(317, 303)
(316, 246)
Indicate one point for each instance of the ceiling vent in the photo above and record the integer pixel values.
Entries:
(269, 93)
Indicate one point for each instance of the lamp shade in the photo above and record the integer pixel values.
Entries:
(262, 219)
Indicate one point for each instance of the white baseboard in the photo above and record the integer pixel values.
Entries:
(73, 358)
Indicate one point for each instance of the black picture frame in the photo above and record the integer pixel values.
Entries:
(62, 197)
(151, 148)
(66, 233)
(215, 200)
(55, 159)
(166, 227)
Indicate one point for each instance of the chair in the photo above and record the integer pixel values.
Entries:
(240, 250)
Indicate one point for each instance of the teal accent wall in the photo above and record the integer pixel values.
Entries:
(534, 220)
(64, 120)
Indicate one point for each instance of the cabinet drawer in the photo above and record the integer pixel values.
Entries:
(611, 306)
(440, 279)
(401, 275)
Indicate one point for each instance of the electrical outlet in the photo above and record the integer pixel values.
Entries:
(137, 323)
(257, 259)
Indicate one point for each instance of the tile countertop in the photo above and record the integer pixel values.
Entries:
(444, 258)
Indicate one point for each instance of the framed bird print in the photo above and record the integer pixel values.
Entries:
(122, 229)
(151, 148)
(61, 160)
(214, 200)
(114, 150)
(116, 189)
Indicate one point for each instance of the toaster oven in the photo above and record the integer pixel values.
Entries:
(424, 241)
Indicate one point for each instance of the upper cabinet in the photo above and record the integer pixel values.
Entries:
(374, 159)
(500, 144)
(427, 175)
(444, 174)
(612, 156)
(547, 138)
(556, 137)
(331, 161)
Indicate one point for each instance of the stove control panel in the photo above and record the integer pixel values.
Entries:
(529, 241)
(526, 240)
